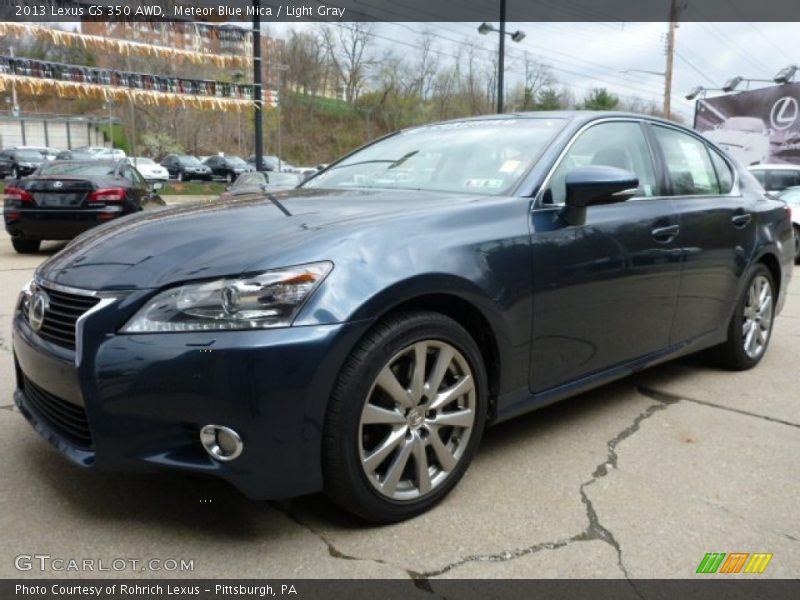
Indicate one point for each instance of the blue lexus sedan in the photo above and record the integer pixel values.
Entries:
(357, 334)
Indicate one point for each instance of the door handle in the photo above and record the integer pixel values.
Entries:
(665, 234)
(741, 220)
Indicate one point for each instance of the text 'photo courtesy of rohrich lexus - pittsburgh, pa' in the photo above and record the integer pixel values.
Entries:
(357, 334)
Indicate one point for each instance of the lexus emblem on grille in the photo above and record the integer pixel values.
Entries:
(40, 302)
(58, 184)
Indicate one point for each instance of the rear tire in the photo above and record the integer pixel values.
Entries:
(386, 460)
(750, 329)
(23, 246)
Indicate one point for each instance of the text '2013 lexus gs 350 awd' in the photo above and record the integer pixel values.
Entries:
(356, 335)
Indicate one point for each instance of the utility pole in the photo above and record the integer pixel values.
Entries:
(674, 11)
(501, 57)
(14, 104)
(258, 93)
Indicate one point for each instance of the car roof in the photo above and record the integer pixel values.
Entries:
(86, 162)
(774, 167)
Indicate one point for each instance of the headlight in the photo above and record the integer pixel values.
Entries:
(271, 299)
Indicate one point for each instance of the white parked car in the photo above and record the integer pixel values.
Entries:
(110, 154)
(777, 177)
(149, 169)
(792, 198)
(744, 138)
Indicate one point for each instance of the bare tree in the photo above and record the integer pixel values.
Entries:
(537, 76)
(426, 66)
(306, 57)
(346, 45)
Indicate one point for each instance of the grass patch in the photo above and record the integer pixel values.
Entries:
(192, 188)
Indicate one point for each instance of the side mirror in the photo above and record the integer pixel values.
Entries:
(157, 186)
(595, 184)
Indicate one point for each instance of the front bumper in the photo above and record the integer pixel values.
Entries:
(146, 396)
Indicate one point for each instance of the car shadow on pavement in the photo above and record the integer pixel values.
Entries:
(214, 507)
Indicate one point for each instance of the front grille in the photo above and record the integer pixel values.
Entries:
(62, 314)
(65, 418)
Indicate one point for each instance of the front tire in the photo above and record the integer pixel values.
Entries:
(405, 417)
(23, 246)
(750, 328)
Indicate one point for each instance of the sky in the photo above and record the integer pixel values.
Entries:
(587, 55)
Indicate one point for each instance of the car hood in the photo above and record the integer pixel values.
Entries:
(226, 237)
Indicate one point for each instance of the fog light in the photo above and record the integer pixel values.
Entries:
(222, 443)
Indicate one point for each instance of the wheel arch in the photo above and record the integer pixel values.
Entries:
(470, 318)
(770, 260)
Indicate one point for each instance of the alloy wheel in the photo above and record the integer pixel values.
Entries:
(757, 322)
(417, 420)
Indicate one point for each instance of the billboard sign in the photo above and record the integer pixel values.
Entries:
(757, 126)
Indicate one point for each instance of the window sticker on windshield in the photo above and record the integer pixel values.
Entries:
(509, 166)
(484, 183)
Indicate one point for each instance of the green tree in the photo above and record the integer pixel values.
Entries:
(600, 99)
(549, 99)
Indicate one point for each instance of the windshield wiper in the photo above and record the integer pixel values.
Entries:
(402, 159)
(396, 162)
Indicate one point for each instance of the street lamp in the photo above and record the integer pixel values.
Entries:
(517, 36)
(237, 76)
(734, 82)
(786, 74)
(702, 91)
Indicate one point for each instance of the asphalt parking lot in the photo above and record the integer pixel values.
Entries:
(637, 479)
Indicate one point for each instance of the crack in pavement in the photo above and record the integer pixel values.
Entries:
(595, 530)
(667, 397)
(724, 508)
(4, 345)
(418, 579)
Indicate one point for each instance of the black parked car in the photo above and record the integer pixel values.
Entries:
(66, 198)
(75, 154)
(227, 167)
(185, 168)
(357, 334)
(19, 163)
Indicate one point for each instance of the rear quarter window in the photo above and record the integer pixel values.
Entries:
(723, 170)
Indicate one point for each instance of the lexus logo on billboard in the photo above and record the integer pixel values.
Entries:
(784, 113)
(756, 126)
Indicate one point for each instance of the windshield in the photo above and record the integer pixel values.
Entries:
(792, 196)
(235, 161)
(190, 161)
(87, 169)
(483, 157)
(748, 124)
(29, 155)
